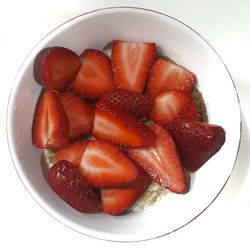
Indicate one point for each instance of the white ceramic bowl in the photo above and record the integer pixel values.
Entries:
(186, 47)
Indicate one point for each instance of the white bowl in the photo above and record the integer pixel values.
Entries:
(186, 47)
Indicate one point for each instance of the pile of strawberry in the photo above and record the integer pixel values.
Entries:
(117, 124)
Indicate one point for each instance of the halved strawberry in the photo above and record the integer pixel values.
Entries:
(79, 112)
(72, 152)
(132, 62)
(175, 104)
(113, 125)
(162, 161)
(95, 76)
(166, 76)
(105, 165)
(50, 128)
(56, 67)
(196, 141)
(136, 104)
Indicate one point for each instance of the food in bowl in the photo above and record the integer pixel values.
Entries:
(120, 128)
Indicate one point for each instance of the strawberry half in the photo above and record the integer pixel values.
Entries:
(175, 104)
(132, 62)
(50, 128)
(115, 126)
(196, 141)
(166, 76)
(79, 112)
(70, 186)
(95, 76)
(56, 67)
(162, 162)
(105, 165)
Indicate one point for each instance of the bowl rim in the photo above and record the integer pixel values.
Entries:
(15, 84)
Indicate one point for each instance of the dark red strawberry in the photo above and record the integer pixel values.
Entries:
(95, 76)
(79, 112)
(56, 67)
(70, 186)
(136, 104)
(132, 62)
(175, 104)
(166, 76)
(115, 126)
(196, 141)
(105, 165)
(50, 127)
(72, 152)
(162, 161)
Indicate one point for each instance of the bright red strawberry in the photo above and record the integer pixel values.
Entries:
(113, 125)
(105, 165)
(132, 62)
(166, 76)
(118, 201)
(175, 104)
(136, 104)
(95, 76)
(196, 141)
(50, 127)
(79, 112)
(72, 152)
(162, 162)
(70, 186)
(56, 67)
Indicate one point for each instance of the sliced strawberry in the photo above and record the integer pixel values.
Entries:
(113, 125)
(166, 76)
(136, 104)
(132, 62)
(105, 165)
(162, 162)
(95, 76)
(72, 152)
(79, 112)
(175, 104)
(56, 67)
(50, 127)
(70, 186)
(196, 141)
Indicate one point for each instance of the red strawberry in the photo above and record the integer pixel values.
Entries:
(105, 165)
(79, 112)
(175, 104)
(95, 76)
(132, 62)
(72, 152)
(196, 141)
(70, 186)
(136, 104)
(166, 76)
(113, 125)
(162, 162)
(50, 127)
(56, 67)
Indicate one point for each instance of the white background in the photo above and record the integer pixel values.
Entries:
(226, 26)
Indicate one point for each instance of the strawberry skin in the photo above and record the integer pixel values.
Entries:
(70, 186)
(79, 112)
(50, 128)
(196, 141)
(56, 67)
(115, 126)
(132, 62)
(162, 162)
(104, 165)
(95, 76)
(175, 104)
(166, 76)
